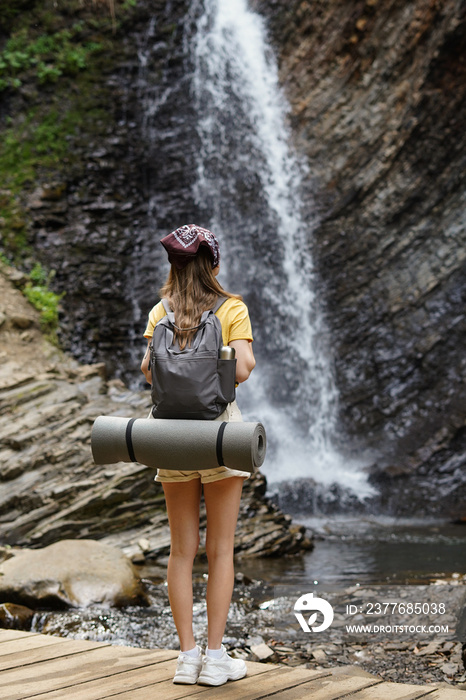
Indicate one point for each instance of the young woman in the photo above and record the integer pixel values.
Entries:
(191, 288)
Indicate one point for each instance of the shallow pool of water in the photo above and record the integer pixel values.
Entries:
(369, 550)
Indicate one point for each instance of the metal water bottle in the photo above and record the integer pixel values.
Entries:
(226, 353)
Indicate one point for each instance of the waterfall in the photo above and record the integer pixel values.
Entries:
(249, 189)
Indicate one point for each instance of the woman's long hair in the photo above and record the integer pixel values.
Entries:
(191, 291)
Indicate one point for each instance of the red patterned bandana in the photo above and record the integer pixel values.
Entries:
(183, 244)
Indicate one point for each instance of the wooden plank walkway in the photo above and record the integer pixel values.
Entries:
(51, 668)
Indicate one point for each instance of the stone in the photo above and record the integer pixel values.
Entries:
(6, 553)
(53, 191)
(431, 648)
(17, 617)
(262, 651)
(319, 655)
(144, 544)
(398, 646)
(239, 654)
(137, 558)
(21, 321)
(449, 669)
(71, 573)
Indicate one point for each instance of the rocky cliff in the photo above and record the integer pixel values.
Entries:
(96, 176)
(377, 106)
(377, 92)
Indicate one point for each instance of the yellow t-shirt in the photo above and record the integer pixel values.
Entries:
(233, 315)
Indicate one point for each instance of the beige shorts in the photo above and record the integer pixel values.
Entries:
(170, 476)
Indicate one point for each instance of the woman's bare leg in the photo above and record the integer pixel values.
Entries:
(182, 499)
(222, 500)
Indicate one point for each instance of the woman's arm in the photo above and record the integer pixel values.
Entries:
(145, 364)
(245, 361)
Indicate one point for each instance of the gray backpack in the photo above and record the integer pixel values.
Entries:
(193, 383)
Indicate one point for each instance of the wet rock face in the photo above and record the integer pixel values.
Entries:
(377, 92)
(129, 184)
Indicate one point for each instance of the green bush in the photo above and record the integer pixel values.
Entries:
(38, 293)
(45, 58)
(39, 276)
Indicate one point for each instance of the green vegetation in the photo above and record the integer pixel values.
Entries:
(44, 58)
(38, 293)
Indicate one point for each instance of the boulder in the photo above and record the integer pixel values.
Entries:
(70, 573)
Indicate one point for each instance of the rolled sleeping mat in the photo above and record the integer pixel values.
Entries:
(188, 445)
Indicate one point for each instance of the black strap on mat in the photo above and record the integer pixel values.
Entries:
(129, 440)
(221, 430)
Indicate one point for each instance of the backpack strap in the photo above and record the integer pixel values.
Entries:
(166, 306)
(171, 326)
(204, 317)
(168, 311)
(218, 304)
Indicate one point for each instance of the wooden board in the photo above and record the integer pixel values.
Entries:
(328, 688)
(70, 670)
(6, 635)
(43, 653)
(394, 691)
(138, 683)
(43, 667)
(145, 679)
(19, 644)
(252, 686)
(447, 694)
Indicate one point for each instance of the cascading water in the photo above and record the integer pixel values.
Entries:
(249, 188)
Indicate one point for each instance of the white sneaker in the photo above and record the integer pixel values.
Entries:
(219, 671)
(188, 668)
